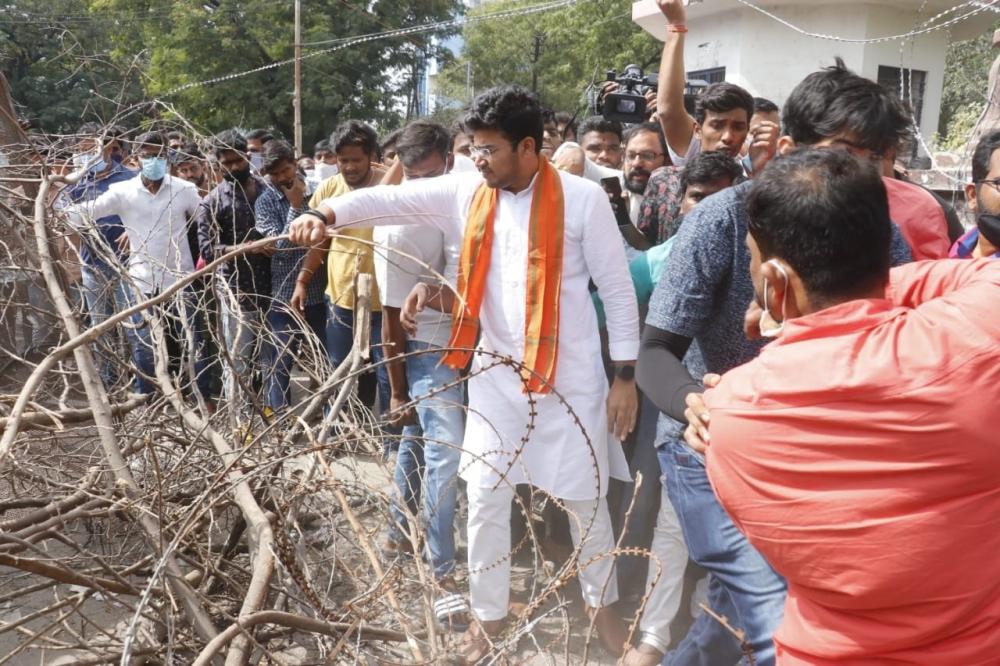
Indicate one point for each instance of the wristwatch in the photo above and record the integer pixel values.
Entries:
(626, 373)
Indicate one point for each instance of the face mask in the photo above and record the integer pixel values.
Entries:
(239, 176)
(989, 227)
(256, 161)
(94, 160)
(769, 328)
(324, 171)
(154, 168)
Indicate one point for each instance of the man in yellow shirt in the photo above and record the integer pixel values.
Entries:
(350, 254)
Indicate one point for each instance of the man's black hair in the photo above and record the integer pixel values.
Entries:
(109, 132)
(421, 139)
(274, 153)
(322, 146)
(174, 134)
(354, 133)
(153, 138)
(722, 97)
(569, 121)
(826, 213)
(635, 130)
(983, 154)
(709, 167)
(764, 105)
(513, 110)
(391, 140)
(264, 135)
(230, 139)
(89, 129)
(458, 127)
(599, 124)
(835, 101)
(187, 152)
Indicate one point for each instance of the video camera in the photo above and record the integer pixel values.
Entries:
(628, 103)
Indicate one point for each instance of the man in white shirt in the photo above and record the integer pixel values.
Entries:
(550, 421)
(155, 209)
(431, 446)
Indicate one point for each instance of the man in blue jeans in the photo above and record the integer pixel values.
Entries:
(99, 153)
(292, 293)
(408, 258)
(702, 298)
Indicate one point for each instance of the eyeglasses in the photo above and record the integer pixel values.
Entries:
(992, 182)
(486, 152)
(644, 156)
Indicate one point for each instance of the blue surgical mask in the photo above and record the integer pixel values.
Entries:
(93, 162)
(154, 168)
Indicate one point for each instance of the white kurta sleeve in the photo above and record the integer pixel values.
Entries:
(84, 213)
(605, 257)
(431, 201)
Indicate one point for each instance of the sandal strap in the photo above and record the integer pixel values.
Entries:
(450, 605)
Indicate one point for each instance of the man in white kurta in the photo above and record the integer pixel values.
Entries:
(558, 442)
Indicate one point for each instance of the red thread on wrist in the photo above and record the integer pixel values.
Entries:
(676, 27)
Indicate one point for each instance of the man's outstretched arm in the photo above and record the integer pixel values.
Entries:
(677, 123)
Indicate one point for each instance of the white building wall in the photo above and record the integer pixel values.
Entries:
(770, 59)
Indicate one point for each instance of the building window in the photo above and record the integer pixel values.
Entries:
(908, 84)
(709, 76)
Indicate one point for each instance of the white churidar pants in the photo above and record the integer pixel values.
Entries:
(490, 546)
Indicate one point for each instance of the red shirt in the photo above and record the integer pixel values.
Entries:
(859, 454)
(920, 217)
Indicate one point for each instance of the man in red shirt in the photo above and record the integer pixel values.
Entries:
(858, 452)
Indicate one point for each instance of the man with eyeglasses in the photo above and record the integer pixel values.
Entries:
(702, 297)
(533, 239)
(982, 196)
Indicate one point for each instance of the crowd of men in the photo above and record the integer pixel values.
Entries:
(749, 307)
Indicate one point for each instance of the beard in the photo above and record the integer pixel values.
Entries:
(636, 180)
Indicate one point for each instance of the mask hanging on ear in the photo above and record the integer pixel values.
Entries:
(769, 328)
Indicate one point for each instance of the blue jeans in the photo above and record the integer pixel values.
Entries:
(184, 327)
(340, 339)
(286, 335)
(742, 585)
(436, 446)
(104, 293)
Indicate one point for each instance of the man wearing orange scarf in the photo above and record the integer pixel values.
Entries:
(540, 411)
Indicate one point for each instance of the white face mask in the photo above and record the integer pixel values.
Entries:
(769, 328)
(94, 160)
(256, 161)
(324, 170)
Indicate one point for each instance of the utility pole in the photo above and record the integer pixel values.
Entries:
(297, 101)
(539, 38)
(468, 80)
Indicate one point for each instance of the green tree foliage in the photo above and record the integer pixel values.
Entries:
(966, 79)
(56, 57)
(576, 46)
(196, 40)
(71, 59)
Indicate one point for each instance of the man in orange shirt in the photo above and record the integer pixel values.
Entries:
(857, 452)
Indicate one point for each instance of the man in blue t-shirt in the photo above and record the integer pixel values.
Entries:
(99, 153)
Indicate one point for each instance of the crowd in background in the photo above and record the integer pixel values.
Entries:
(834, 488)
